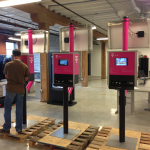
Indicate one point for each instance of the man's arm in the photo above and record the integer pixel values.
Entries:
(5, 71)
(27, 74)
(26, 78)
(6, 76)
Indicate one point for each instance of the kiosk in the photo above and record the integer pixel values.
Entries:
(122, 75)
(64, 75)
(56, 92)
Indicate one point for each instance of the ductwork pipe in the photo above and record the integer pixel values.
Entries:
(136, 8)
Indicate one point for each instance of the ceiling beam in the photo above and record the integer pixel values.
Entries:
(40, 14)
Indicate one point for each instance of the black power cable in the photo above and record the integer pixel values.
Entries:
(132, 31)
(78, 15)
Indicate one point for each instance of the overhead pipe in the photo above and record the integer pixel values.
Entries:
(136, 8)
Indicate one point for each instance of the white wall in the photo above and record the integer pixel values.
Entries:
(96, 60)
(142, 51)
(96, 57)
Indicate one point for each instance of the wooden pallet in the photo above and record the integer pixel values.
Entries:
(99, 139)
(38, 127)
(22, 138)
(33, 140)
(33, 130)
(44, 140)
(99, 142)
(84, 139)
(144, 141)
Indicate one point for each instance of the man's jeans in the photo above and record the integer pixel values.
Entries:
(9, 99)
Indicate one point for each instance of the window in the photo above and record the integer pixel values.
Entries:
(10, 47)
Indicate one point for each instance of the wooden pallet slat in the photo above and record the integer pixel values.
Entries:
(144, 141)
(99, 139)
(32, 130)
(18, 138)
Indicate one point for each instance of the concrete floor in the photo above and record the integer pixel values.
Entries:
(96, 105)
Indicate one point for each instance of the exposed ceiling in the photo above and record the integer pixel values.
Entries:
(99, 12)
(11, 15)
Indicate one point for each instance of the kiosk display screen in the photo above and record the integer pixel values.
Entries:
(121, 61)
(63, 62)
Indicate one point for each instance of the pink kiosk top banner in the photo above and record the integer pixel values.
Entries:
(76, 59)
(122, 63)
(63, 63)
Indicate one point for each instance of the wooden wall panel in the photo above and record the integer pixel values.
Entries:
(103, 60)
(85, 68)
(44, 69)
(44, 77)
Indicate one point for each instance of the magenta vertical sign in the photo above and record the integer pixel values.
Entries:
(125, 36)
(125, 33)
(76, 59)
(31, 63)
(30, 57)
(71, 47)
(71, 38)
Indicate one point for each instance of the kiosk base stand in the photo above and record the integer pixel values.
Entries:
(130, 143)
(121, 141)
(65, 109)
(122, 104)
(72, 133)
(148, 109)
(65, 132)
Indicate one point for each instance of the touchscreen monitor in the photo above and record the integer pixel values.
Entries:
(63, 62)
(121, 61)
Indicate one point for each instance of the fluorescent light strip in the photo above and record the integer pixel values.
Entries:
(17, 34)
(16, 2)
(94, 27)
(14, 39)
(35, 36)
(102, 38)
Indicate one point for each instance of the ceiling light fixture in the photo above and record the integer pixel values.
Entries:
(35, 36)
(94, 27)
(14, 39)
(17, 34)
(16, 2)
(102, 38)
